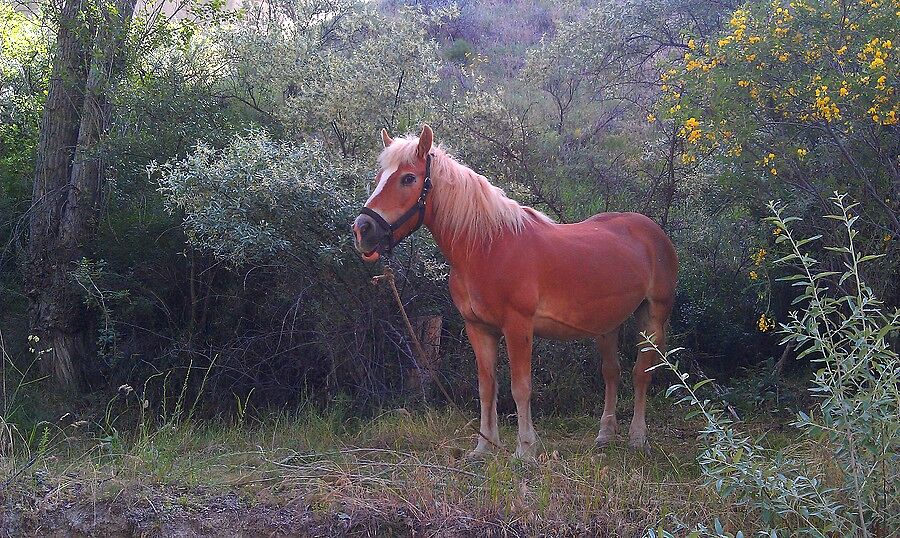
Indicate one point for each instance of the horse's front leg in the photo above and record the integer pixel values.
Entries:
(485, 342)
(519, 337)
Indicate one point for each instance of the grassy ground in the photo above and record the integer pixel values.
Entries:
(314, 473)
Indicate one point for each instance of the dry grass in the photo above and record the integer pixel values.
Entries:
(398, 472)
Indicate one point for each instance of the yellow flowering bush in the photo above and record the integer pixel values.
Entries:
(797, 61)
(798, 97)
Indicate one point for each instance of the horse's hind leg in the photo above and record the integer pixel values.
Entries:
(652, 319)
(608, 346)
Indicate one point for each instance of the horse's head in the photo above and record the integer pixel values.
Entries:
(396, 207)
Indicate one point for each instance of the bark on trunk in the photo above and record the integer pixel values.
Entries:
(420, 378)
(67, 180)
(54, 307)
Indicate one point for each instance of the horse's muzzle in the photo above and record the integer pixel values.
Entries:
(367, 235)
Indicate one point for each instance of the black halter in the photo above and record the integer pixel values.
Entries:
(386, 244)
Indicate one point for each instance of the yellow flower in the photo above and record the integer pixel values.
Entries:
(887, 237)
(753, 275)
(783, 57)
(774, 171)
(760, 256)
(777, 231)
(765, 323)
(844, 91)
(691, 123)
(692, 44)
(743, 83)
(651, 118)
(877, 63)
(801, 152)
(841, 51)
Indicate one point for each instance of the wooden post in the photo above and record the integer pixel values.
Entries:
(419, 378)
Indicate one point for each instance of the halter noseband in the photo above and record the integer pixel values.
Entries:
(386, 244)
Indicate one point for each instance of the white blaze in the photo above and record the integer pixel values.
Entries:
(385, 175)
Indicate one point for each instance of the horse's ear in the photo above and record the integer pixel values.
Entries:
(386, 138)
(426, 139)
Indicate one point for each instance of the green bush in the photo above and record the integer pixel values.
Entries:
(460, 51)
(847, 481)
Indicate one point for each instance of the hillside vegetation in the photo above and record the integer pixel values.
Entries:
(188, 334)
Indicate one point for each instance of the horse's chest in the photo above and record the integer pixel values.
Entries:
(470, 302)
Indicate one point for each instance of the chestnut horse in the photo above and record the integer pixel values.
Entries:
(515, 273)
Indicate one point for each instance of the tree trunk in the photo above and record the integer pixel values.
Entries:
(67, 181)
(420, 378)
(53, 305)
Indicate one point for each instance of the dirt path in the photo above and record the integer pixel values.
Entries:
(147, 512)
(170, 512)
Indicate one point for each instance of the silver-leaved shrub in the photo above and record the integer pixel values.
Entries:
(849, 483)
(259, 198)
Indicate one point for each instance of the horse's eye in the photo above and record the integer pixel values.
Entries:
(408, 179)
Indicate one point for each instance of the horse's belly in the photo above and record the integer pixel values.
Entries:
(556, 330)
(567, 319)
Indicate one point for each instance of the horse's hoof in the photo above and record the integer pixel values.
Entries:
(641, 445)
(604, 438)
(527, 452)
(479, 454)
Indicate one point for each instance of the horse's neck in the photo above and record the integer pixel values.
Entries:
(457, 247)
(459, 243)
(456, 250)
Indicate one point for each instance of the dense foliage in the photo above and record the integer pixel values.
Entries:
(240, 144)
(797, 101)
(227, 152)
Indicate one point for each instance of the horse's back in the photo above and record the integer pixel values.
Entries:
(639, 229)
(630, 245)
(573, 280)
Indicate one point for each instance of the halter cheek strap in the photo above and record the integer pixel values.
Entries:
(387, 243)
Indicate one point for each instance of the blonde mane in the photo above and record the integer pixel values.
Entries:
(465, 203)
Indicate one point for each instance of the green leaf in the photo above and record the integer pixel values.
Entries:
(871, 257)
(699, 384)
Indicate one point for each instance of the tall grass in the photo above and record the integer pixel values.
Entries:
(23, 442)
(343, 465)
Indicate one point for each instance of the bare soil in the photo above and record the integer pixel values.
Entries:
(157, 511)
(171, 512)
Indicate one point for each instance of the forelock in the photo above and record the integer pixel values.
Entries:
(401, 151)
